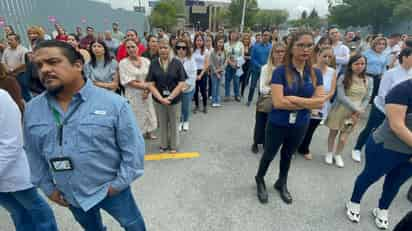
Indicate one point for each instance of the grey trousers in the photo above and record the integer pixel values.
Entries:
(169, 116)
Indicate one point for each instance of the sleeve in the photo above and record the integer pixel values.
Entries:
(279, 76)
(191, 73)
(343, 59)
(23, 54)
(125, 75)
(264, 84)
(368, 96)
(385, 85)
(87, 71)
(342, 98)
(150, 76)
(3, 57)
(181, 73)
(400, 94)
(132, 149)
(253, 58)
(40, 174)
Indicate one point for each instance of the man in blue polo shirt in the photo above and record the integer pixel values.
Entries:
(82, 142)
(260, 54)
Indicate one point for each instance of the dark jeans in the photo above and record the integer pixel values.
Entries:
(376, 117)
(304, 146)
(122, 207)
(255, 73)
(405, 224)
(380, 162)
(287, 137)
(209, 85)
(376, 83)
(28, 210)
(201, 87)
(244, 79)
(260, 126)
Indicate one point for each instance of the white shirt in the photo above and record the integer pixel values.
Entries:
(265, 80)
(389, 80)
(14, 167)
(14, 57)
(342, 54)
(328, 77)
(199, 58)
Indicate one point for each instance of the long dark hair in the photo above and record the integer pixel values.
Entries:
(107, 57)
(202, 49)
(348, 77)
(289, 57)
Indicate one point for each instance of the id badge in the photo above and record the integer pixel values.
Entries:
(166, 92)
(292, 117)
(61, 164)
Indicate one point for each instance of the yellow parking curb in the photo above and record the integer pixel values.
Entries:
(165, 156)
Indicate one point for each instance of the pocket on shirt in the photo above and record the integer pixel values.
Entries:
(42, 134)
(96, 132)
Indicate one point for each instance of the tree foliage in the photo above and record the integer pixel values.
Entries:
(369, 12)
(311, 21)
(164, 15)
(304, 15)
(234, 12)
(269, 18)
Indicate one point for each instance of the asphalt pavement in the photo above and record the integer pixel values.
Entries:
(217, 190)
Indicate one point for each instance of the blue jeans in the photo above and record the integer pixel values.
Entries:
(122, 207)
(379, 162)
(229, 76)
(376, 117)
(215, 89)
(28, 210)
(253, 83)
(186, 105)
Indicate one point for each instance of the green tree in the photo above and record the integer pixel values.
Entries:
(269, 18)
(369, 12)
(164, 15)
(313, 14)
(234, 12)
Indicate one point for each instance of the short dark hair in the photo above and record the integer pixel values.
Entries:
(406, 52)
(89, 27)
(134, 31)
(395, 35)
(265, 30)
(67, 50)
(75, 37)
(15, 35)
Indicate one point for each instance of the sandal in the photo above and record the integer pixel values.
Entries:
(353, 212)
(381, 218)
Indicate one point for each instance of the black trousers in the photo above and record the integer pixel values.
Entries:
(405, 224)
(276, 136)
(201, 87)
(304, 146)
(260, 126)
(376, 83)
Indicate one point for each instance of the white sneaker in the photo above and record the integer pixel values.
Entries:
(329, 158)
(180, 127)
(356, 155)
(381, 218)
(214, 104)
(186, 126)
(218, 105)
(339, 161)
(353, 211)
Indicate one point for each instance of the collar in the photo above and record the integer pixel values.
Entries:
(306, 69)
(83, 94)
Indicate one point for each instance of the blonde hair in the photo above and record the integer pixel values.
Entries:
(270, 64)
(375, 42)
(36, 30)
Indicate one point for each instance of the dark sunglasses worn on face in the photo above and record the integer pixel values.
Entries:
(180, 47)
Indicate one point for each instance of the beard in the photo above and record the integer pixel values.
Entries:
(54, 91)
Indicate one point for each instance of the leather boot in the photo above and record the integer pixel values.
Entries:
(281, 187)
(410, 194)
(261, 190)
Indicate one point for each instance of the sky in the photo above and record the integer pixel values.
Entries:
(295, 7)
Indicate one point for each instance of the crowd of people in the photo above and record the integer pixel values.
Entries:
(88, 102)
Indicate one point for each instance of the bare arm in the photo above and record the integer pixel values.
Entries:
(178, 89)
(332, 89)
(316, 102)
(396, 116)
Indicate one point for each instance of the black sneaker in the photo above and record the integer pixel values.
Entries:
(237, 98)
(261, 190)
(410, 194)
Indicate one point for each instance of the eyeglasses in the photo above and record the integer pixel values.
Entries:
(181, 47)
(304, 46)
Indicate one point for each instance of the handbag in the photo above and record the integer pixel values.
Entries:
(264, 103)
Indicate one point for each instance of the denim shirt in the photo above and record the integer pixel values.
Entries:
(101, 138)
(376, 62)
(260, 54)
